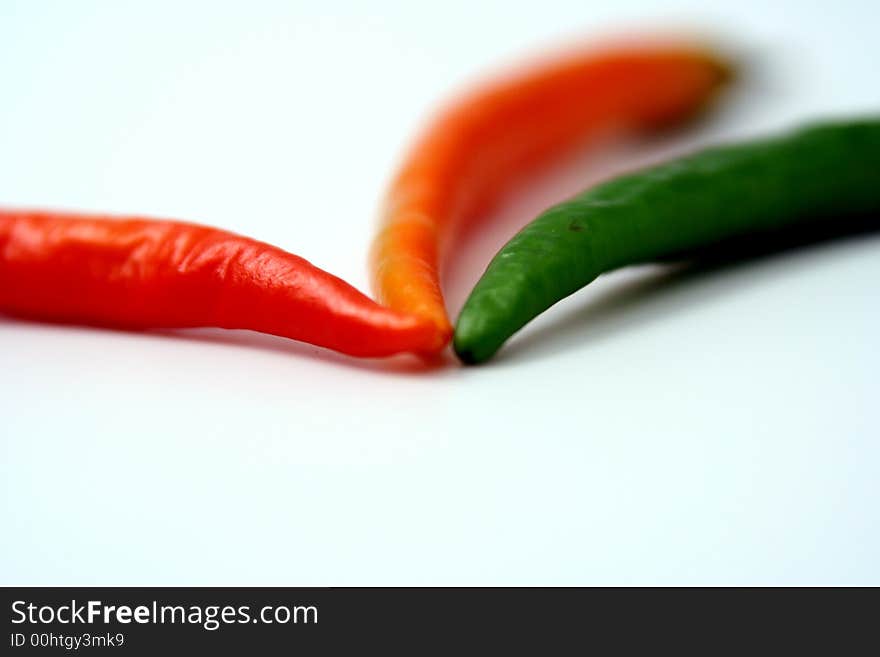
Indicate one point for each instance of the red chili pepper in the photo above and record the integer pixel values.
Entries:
(139, 273)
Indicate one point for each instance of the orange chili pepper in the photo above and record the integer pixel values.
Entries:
(484, 145)
(141, 273)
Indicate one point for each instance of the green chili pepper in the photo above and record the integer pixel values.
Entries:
(819, 174)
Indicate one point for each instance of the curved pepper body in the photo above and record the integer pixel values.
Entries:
(140, 273)
(482, 147)
(820, 174)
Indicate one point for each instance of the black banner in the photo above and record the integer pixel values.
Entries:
(171, 621)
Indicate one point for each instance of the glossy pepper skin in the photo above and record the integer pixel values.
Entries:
(140, 273)
(483, 146)
(824, 173)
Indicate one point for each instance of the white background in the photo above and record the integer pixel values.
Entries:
(653, 428)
